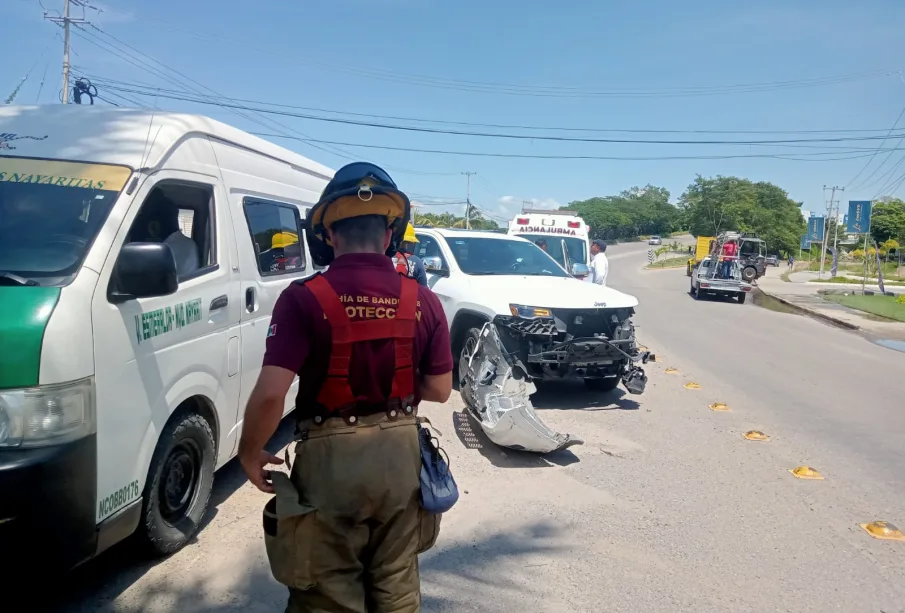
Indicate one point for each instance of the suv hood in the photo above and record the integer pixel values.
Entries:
(546, 292)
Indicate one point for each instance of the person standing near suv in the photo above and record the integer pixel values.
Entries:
(600, 266)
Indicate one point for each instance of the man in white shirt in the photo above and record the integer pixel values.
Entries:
(600, 266)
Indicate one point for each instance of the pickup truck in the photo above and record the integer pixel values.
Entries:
(517, 317)
(703, 282)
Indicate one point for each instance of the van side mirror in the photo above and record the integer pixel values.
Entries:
(580, 269)
(143, 270)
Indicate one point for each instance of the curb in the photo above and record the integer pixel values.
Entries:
(665, 268)
(810, 313)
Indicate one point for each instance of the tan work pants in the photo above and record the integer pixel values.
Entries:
(346, 528)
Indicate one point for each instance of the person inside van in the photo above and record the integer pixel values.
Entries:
(541, 243)
(158, 222)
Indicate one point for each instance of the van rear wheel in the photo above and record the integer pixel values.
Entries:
(179, 484)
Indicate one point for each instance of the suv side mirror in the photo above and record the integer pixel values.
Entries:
(434, 264)
(580, 270)
(143, 270)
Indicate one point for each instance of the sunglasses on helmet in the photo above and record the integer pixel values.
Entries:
(352, 175)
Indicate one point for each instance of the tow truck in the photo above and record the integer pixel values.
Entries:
(706, 280)
(751, 253)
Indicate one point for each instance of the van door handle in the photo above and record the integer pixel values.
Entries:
(250, 300)
(219, 302)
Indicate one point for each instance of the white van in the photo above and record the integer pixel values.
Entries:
(564, 232)
(140, 258)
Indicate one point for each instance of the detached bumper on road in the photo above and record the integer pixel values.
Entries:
(495, 388)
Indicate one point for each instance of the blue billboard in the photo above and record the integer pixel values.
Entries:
(805, 243)
(858, 220)
(815, 229)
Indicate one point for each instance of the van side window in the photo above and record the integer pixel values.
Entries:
(276, 233)
(182, 216)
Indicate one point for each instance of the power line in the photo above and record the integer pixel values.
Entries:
(152, 88)
(119, 52)
(504, 135)
(136, 61)
(581, 157)
(860, 172)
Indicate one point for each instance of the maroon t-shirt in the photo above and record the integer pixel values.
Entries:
(300, 338)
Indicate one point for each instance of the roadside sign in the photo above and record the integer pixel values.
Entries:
(815, 229)
(650, 256)
(858, 219)
(805, 243)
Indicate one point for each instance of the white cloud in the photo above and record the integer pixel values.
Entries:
(512, 205)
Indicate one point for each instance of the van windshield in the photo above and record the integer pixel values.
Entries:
(577, 247)
(50, 212)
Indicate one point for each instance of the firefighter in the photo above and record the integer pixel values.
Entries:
(344, 528)
(405, 260)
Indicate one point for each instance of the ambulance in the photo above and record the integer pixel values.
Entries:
(141, 254)
(565, 233)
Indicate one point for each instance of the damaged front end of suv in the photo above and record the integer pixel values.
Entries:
(501, 361)
(597, 345)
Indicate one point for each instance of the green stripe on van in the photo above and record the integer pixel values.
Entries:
(24, 312)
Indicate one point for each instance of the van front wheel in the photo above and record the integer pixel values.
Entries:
(179, 484)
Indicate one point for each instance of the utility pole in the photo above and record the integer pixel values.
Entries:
(66, 21)
(825, 229)
(837, 224)
(468, 199)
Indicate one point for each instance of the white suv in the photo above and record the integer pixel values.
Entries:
(654, 240)
(553, 325)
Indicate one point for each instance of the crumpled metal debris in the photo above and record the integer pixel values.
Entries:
(495, 388)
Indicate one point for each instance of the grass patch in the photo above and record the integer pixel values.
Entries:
(884, 306)
(679, 262)
(852, 280)
(857, 268)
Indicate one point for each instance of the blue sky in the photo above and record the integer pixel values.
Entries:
(359, 56)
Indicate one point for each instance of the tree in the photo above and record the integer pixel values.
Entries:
(635, 211)
(715, 205)
(887, 220)
(449, 220)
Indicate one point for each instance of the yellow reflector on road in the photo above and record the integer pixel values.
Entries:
(806, 472)
(692, 386)
(672, 371)
(756, 435)
(883, 530)
(719, 406)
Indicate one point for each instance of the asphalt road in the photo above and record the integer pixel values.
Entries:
(664, 508)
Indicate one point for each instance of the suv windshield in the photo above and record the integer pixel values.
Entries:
(50, 212)
(576, 247)
(494, 256)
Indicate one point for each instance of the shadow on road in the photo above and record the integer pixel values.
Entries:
(573, 395)
(489, 569)
(472, 437)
